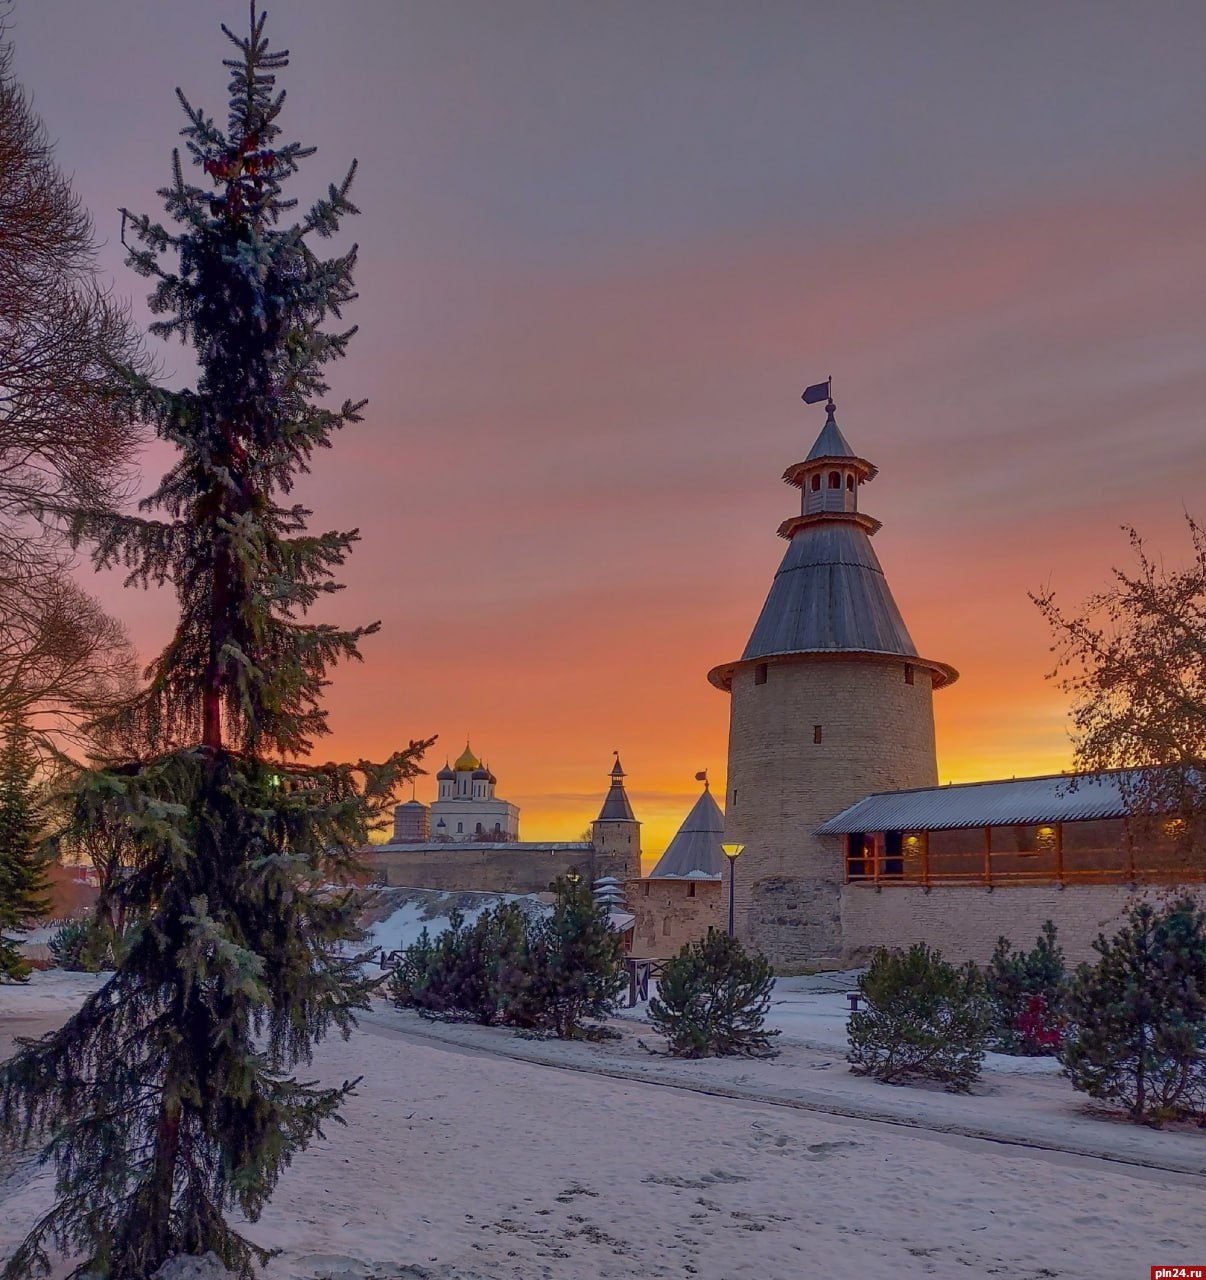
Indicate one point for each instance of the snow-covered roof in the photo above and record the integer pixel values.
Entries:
(695, 852)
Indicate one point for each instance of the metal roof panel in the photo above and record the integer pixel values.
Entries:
(1015, 802)
(829, 593)
(695, 849)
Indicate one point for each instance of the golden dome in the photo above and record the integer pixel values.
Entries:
(467, 760)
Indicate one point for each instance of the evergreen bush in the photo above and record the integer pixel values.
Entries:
(712, 999)
(81, 946)
(1026, 990)
(574, 968)
(925, 1019)
(411, 974)
(1136, 1031)
(472, 971)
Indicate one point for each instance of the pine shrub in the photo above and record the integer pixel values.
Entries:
(712, 999)
(1136, 1031)
(80, 946)
(1026, 990)
(574, 968)
(412, 973)
(925, 1019)
(469, 971)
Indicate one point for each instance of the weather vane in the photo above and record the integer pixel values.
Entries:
(820, 391)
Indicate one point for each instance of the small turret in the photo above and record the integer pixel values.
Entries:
(616, 834)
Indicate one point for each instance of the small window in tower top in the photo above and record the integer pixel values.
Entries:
(734, 797)
(835, 479)
(816, 482)
(850, 482)
(816, 733)
(908, 673)
(760, 673)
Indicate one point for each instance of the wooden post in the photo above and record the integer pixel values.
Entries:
(925, 857)
(1059, 853)
(988, 855)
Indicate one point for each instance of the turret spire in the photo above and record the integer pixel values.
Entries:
(615, 804)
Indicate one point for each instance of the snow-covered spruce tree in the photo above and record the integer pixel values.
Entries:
(168, 1099)
(712, 998)
(573, 970)
(1137, 1033)
(24, 891)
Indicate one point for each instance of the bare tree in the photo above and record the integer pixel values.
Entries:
(1134, 660)
(68, 432)
(63, 660)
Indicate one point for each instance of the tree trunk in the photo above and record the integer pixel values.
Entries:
(152, 1250)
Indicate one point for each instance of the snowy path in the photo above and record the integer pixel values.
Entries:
(472, 1165)
(1028, 1109)
(458, 1164)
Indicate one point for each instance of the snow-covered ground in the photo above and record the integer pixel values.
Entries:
(396, 917)
(818, 1020)
(459, 1163)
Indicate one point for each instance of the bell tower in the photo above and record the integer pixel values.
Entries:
(829, 702)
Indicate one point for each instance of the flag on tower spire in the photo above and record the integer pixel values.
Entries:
(818, 391)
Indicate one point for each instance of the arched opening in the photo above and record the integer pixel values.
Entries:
(850, 482)
(816, 483)
(835, 480)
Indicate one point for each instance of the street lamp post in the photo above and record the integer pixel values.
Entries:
(732, 852)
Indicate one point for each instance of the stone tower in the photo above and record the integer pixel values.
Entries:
(615, 833)
(828, 702)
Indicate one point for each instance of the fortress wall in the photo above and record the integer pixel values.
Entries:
(964, 922)
(525, 869)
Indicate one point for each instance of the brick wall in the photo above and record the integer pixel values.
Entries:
(964, 922)
(877, 734)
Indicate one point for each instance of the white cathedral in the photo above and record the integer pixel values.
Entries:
(466, 808)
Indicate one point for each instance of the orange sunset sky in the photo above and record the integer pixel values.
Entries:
(605, 246)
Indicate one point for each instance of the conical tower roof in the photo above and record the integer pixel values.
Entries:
(695, 851)
(615, 803)
(830, 443)
(830, 595)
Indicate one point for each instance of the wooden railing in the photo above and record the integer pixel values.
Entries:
(1050, 860)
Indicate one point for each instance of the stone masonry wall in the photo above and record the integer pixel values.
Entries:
(617, 843)
(668, 916)
(491, 870)
(964, 922)
(877, 734)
